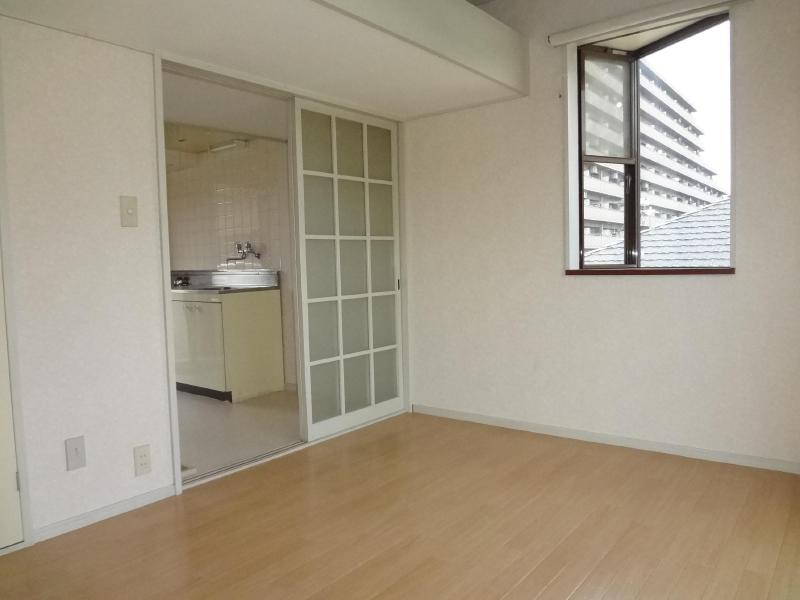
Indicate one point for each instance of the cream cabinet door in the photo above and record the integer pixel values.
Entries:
(199, 344)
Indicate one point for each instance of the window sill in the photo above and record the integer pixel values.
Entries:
(653, 271)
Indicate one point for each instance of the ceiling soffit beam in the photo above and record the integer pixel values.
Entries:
(451, 29)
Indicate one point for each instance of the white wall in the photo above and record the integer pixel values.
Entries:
(497, 328)
(85, 304)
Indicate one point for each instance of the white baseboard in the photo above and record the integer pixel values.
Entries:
(773, 464)
(100, 514)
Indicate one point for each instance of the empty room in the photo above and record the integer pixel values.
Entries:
(452, 299)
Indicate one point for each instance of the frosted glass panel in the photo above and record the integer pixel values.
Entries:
(350, 299)
(379, 145)
(352, 215)
(318, 193)
(321, 268)
(323, 330)
(317, 142)
(325, 391)
(356, 383)
(383, 321)
(354, 267)
(382, 266)
(355, 325)
(385, 375)
(381, 216)
(349, 148)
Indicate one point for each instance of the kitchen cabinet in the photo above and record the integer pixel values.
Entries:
(229, 344)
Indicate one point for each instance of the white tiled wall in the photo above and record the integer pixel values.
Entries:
(218, 199)
(235, 195)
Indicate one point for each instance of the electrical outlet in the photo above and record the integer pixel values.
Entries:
(76, 453)
(141, 460)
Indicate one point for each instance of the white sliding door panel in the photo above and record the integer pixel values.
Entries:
(10, 510)
(349, 260)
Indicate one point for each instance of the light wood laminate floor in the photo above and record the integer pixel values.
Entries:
(420, 507)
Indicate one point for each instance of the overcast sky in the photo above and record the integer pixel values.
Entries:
(699, 69)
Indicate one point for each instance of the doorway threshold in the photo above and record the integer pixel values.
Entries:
(199, 478)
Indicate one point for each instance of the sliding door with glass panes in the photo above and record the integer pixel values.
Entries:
(349, 257)
(655, 149)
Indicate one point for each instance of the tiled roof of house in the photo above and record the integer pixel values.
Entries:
(697, 239)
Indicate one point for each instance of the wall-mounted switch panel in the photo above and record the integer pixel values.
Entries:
(128, 211)
(76, 453)
(141, 460)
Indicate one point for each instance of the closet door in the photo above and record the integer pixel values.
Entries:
(349, 260)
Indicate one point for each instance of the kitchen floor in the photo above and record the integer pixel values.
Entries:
(216, 434)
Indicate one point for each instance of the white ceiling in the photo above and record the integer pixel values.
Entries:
(298, 46)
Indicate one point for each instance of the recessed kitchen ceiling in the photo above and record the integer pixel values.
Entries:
(208, 104)
(321, 49)
(190, 138)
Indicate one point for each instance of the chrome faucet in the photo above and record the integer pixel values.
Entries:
(248, 249)
(243, 252)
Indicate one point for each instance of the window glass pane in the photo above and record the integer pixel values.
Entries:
(606, 107)
(382, 266)
(385, 375)
(318, 195)
(603, 213)
(383, 318)
(355, 325)
(321, 266)
(356, 383)
(317, 142)
(684, 131)
(325, 391)
(323, 330)
(354, 267)
(379, 145)
(381, 217)
(349, 148)
(352, 219)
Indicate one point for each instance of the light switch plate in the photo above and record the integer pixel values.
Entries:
(128, 211)
(76, 453)
(141, 460)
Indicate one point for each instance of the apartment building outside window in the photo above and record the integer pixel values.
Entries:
(655, 149)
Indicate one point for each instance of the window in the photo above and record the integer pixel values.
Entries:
(654, 173)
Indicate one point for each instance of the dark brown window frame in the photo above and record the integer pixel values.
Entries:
(632, 255)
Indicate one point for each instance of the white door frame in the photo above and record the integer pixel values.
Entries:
(321, 430)
(13, 367)
(16, 412)
(347, 421)
(166, 274)
(224, 77)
